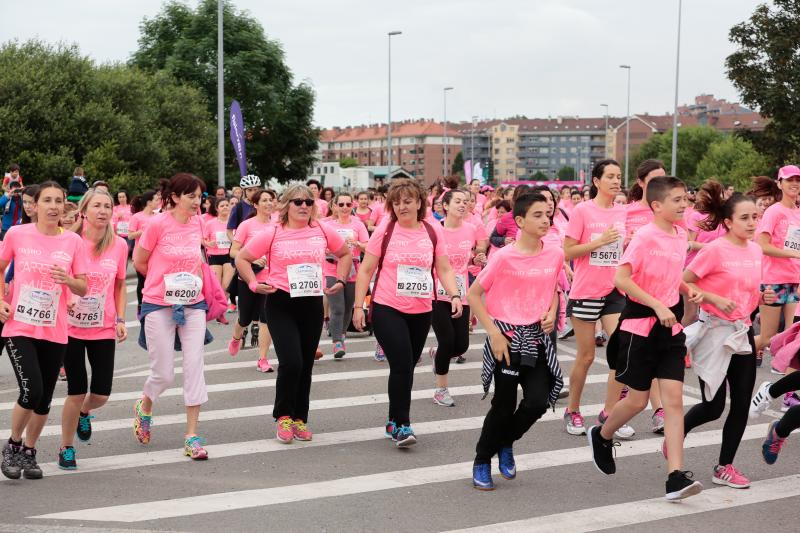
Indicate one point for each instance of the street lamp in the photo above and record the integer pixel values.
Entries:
(674, 163)
(605, 136)
(627, 125)
(220, 101)
(444, 162)
(389, 122)
(472, 143)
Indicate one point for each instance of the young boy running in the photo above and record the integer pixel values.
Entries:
(650, 340)
(521, 301)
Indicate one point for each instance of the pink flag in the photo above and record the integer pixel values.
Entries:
(468, 171)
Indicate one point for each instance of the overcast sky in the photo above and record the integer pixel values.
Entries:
(536, 58)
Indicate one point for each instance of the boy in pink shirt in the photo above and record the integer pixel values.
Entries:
(650, 341)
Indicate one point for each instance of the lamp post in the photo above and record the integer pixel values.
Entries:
(674, 163)
(220, 102)
(472, 143)
(627, 125)
(444, 161)
(389, 122)
(605, 136)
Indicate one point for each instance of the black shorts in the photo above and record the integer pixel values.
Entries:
(591, 309)
(219, 260)
(251, 306)
(642, 359)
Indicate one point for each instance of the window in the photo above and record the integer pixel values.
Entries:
(544, 139)
(572, 139)
(510, 161)
(317, 171)
(563, 160)
(497, 140)
(497, 151)
(496, 161)
(509, 139)
(562, 150)
(544, 150)
(509, 151)
(573, 150)
(510, 172)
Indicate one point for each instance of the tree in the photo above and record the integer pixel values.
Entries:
(58, 110)
(458, 164)
(277, 113)
(766, 71)
(539, 176)
(732, 161)
(566, 174)
(693, 143)
(348, 162)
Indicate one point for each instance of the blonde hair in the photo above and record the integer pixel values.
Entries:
(289, 194)
(108, 236)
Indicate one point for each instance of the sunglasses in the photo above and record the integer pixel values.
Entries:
(299, 201)
(348, 204)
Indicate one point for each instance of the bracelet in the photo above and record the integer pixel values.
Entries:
(453, 296)
(120, 320)
(343, 282)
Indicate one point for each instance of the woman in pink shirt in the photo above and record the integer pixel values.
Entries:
(168, 255)
(143, 207)
(295, 252)
(402, 254)
(122, 215)
(96, 322)
(362, 209)
(217, 243)
(49, 265)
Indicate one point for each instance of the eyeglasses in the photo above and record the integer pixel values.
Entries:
(348, 204)
(299, 201)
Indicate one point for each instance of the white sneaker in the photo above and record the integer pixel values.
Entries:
(442, 397)
(760, 401)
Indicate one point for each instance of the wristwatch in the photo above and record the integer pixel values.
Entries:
(120, 320)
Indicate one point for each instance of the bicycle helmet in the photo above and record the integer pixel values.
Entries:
(251, 180)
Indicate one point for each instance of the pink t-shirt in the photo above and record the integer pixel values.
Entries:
(636, 215)
(174, 273)
(692, 220)
(205, 217)
(594, 272)
(506, 226)
(217, 231)
(406, 269)
(363, 217)
(459, 243)
(39, 304)
(777, 222)
(355, 229)
(520, 288)
(730, 271)
(322, 207)
(120, 218)
(656, 259)
(245, 233)
(85, 318)
(378, 212)
(295, 249)
(139, 222)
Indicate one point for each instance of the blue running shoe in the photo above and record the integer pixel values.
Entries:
(508, 468)
(772, 445)
(84, 430)
(482, 477)
(66, 458)
(391, 427)
(404, 437)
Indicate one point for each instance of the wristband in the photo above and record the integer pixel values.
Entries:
(253, 285)
(120, 320)
(343, 282)
(453, 296)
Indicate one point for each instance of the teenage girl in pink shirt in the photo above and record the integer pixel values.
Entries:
(49, 265)
(96, 322)
(217, 243)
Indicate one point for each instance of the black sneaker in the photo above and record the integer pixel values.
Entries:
(461, 360)
(11, 461)
(602, 451)
(680, 485)
(30, 468)
(66, 458)
(84, 430)
(254, 335)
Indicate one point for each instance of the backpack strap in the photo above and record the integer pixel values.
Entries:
(384, 245)
(434, 240)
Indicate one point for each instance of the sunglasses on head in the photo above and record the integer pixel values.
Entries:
(300, 201)
(345, 204)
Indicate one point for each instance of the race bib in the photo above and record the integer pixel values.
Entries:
(37, 307)
(414, 282)
(792, 240)
(606, 255)
(122, 227)
(182, 288)
(88, 312)
(305, 279)
(461, 282)
(222, 239)
(346, 233)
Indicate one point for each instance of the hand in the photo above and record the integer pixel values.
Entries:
(665, 316)
(122, 332)
(59, 274)
(769, 296)
(265, 288)
(695, 296)
(500, 344)
(609, 236)
(548, 322)
(333, 289)
(260, 262)
(456, 307)
(210, 244)
(359, 322)
(724, 305)
(509, 240)
(5, 310)
(480, 259)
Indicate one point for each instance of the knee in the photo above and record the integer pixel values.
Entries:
(99, 399)
(637, 403)
(162, 381)
(584, 358)
(534, 407)
(30, 396)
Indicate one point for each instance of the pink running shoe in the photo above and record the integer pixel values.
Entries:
(285, 429)
(728, 475)
(301, 431)
(789, 400)
(233, 346)
(193, 447)
(263, 366)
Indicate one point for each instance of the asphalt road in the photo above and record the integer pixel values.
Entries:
(349, 478)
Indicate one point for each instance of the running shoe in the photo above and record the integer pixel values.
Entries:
(404, 437)
(254, 335)
(301, 431)
(567, 333)
(141, 423)
(30, 468)
(728, 475)
(573, 423)
(193, 447)
(379, 356)
(761, 400)
(66, 458)
(600, 339)
(626, 432)
(772, 445)
(460, 360)
(602, 451)
(84, 431)
(389, 429)
(687, 361)
(563, 393)
(234, 345)
(680, 485)
(473, 324)
(441, 396)
(231, 308)
(623, 393)
(482, 476)
(263, 366)
(790, 400)
(338, 350)
(285, 429)
(12, 459)
(507, 465)
(658, 420)
(318, 355)
(773, 370)
(62, 375)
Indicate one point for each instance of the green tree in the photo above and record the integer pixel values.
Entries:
(277, 113)
(566, 174)
(766, 70)
(539, 176)
(458, 164)
(58, 110)
(732, 161)
(693, 143)
(348, 162)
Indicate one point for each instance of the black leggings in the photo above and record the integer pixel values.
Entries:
(402, 337)
(503, 425)
(100, 353)
(251, 305)
(791, 420)
(296, 325)
(139, 289)
(36, 364)
(452, 335)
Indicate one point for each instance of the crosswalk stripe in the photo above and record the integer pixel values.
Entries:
(644, 511)
(245, 499)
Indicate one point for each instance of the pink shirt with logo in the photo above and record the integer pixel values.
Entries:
(286, 247)
(245, 233)
(411, 247)
(356, 230)
(519, 288)
(174, 248)
(693, 220)
(33, 254)
(459, 243)
(730, 271)
(139, 222)
(217, 231)
(587, 221)
(777, 221)
(121, 213)
(101, 274)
